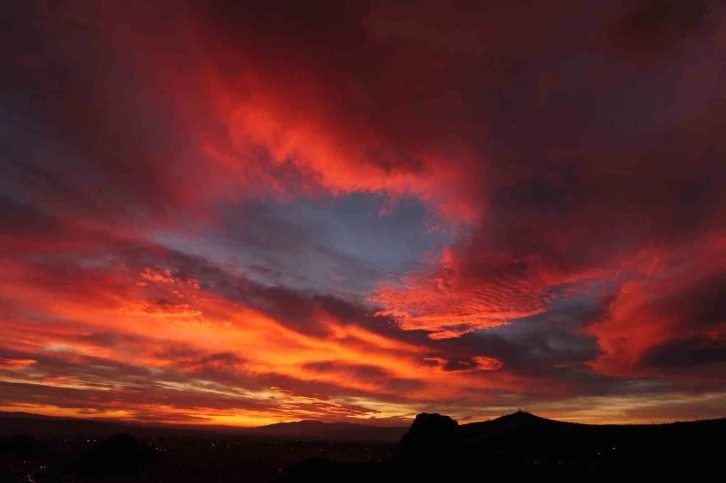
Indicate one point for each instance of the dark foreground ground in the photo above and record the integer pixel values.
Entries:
(173, 459)
(517, 446)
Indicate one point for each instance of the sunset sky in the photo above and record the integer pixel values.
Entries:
(214, 212)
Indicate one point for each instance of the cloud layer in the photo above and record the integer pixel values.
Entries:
(239, 214)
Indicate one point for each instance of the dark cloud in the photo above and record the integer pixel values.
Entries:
(687, 354)
(700, 304)
(366, 373)
(656, 26)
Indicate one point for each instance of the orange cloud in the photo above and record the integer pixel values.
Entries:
(217, 335)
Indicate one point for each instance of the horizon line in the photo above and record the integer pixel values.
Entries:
(231, 427)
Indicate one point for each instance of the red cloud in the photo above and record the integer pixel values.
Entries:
(15, 364)
(667, 305)
(463, 295)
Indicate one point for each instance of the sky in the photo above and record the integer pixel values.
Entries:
(241, 213)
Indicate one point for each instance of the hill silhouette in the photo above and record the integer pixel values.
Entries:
(523, 445)
(520, 420)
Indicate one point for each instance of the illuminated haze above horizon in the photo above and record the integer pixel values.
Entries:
(225, 213)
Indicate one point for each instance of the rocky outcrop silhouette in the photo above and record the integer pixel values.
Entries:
(431, 428)
(431, 437)
(430, 450)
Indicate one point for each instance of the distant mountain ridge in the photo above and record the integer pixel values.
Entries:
(40, 425)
